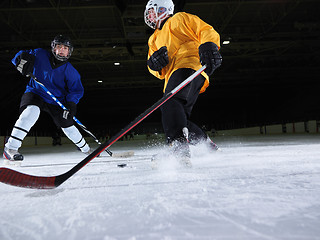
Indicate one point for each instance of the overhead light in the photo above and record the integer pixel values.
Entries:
(226, 42)
(100, 81)
(116, 63)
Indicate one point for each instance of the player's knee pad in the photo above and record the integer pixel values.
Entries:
(28, 117)
(72, 133)
(75, 136)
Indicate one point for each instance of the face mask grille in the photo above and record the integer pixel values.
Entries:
(153, 16)
(57, 56)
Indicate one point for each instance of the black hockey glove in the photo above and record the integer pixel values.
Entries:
(71, 110)
(25, 63)
(209, 55)
(159, 59)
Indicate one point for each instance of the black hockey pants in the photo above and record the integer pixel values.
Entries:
(176, 111)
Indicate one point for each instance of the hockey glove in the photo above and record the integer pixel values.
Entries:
(159, 59)
(25, 63)
(209, 55)
(70, 111)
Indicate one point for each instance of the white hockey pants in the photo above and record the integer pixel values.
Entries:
(75, 136)
(28, 118)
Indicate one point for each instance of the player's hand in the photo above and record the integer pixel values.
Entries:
(159, 59)
(70, 111)
(209, 55)
(25, 63)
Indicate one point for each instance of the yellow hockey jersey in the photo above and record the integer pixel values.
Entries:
(182, 34)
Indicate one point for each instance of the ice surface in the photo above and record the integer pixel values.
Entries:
(263, 187)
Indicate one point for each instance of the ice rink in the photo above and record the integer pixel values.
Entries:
(261, 187)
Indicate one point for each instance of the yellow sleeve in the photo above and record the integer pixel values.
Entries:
(152, 49)
(192, 26)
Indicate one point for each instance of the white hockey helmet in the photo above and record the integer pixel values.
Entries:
(157, 11)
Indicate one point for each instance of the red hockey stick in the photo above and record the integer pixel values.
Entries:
(19, 179)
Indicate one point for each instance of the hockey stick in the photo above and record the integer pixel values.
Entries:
(76, 120)
(19, 179)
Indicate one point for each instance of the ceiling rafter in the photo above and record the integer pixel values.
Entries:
(56, 7)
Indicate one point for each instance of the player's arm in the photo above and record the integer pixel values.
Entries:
(209, 40)
(209, 47)
(24, 62)
(75, 91)
(157, 61)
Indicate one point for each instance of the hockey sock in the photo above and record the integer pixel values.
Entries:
(26, 120)
(75, 136)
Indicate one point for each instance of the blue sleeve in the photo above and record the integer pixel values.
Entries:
(15, 59)
(73, 81)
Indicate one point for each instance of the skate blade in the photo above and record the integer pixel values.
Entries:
(155, 159)
(12, 163)
(17, 163)
(154, 164)
(186, 163)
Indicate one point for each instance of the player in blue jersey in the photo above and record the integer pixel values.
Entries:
(62, 80)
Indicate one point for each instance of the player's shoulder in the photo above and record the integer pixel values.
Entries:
(71, 69)
(41, 52)
(70, 66)
(183, 15)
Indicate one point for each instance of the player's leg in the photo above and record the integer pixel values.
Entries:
(26, 120)
(30, 106)
(197, 135)
(75, 136)
(174, 115)
(68, 128)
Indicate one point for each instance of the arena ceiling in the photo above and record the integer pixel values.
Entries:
(270, 67)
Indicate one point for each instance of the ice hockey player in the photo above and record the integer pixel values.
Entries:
(62, 80)
(180, 44)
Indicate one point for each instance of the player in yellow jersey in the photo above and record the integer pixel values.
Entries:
(180, 44)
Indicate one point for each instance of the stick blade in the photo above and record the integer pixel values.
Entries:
(18, 179)
(123, 154)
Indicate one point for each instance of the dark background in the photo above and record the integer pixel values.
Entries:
(270, 71)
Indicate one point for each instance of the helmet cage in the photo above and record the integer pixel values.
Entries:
(155, 14)
(61, 40)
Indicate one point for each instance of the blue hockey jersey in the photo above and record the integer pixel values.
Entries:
(64, 81)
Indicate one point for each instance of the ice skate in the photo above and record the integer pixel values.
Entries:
(154, 162)
(185, 162)
(212, 146)
(157, 158)
(90, 151)
(12, 157)
(184, 156)
(181, 151)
